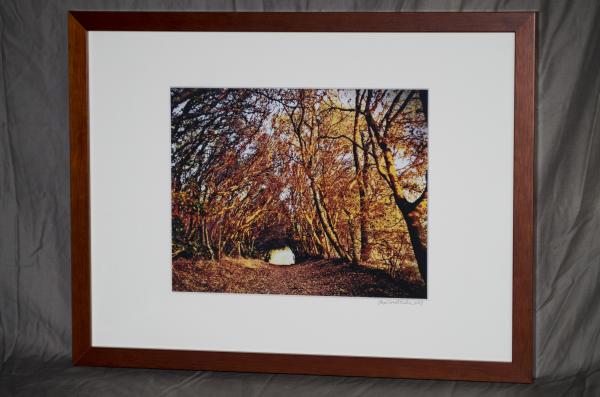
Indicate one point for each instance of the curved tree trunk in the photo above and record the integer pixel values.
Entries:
(389, 173)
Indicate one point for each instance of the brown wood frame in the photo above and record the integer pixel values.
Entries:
(521, 23)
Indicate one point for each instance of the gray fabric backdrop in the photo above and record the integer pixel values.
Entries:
(34, 211)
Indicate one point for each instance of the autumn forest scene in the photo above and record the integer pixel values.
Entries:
(300, 191)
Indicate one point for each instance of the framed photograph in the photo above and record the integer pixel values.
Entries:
(311, 193)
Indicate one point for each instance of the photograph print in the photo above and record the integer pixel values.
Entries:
(300, 191)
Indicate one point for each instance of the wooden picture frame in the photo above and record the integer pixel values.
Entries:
(521, 23)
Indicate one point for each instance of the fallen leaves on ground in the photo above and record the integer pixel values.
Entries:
(313, 277)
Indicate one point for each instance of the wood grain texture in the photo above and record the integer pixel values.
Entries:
(80, 188)
(303, 22)
(304, 364)
(522, 24)
(523, 197)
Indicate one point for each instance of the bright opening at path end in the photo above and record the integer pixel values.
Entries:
(282, 256)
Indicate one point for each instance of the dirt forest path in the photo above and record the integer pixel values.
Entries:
(314, 277)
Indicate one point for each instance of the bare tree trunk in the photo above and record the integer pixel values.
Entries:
(207, 239)
(351, 232)
(323, 218)
(320, 250)
(365, 245)
(219, 244)
(419, 244)
(362, 181)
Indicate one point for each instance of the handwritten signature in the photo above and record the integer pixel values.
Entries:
(412, 302)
